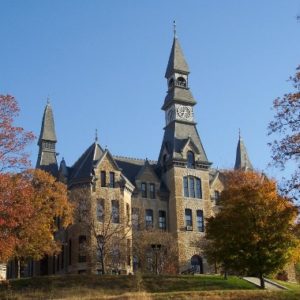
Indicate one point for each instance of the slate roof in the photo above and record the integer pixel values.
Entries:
(175, 138)
(48, 129)
(180, 95)
(130, 166)
(176, 60)
(83, 167)
(242, 161)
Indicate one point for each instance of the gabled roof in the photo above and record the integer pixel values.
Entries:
(146, 167)
(133, 167)
(242, 161)
(130, 167)
(48, 129)
(176, 60)
(189, 142)
(107, 154)
(83, 167)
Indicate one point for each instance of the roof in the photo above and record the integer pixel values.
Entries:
(176, 136)
(179, 94)
(242, 161)
(176, 60)
(130, 166)
(84, 166)
(48, 129)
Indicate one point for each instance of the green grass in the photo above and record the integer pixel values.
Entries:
(137, 287)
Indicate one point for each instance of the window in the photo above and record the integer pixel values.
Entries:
(200, 221)
(190, 160)
(115, 211)
(162, 220)
(198, 188)
(100, 210)
(152, 190)
(188, 217)
(103, 178)
(144, 189)
(82, 248)
(149, 218)
(171, 82)
(135, 218)
(192, 187)
(111, 179)
(181, 81)
(185, 186)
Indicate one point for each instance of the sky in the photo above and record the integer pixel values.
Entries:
(102, 64)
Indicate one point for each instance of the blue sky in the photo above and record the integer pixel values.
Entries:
(102, 63)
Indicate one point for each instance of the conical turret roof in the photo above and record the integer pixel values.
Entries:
(242, 161)
(48, 129)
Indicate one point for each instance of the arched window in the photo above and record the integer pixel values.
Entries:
(197, 265)
(190, 160)
(192, 187)
(181, 81)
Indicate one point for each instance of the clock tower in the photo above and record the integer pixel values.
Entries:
(184, 166)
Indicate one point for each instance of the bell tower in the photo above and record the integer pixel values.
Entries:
(47, 141)
(184, 165)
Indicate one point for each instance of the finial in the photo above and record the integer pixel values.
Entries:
(48, 100)
(174, 29)
(239, 133)
(96, 135)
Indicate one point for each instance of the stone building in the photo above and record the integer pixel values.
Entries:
(173, 194)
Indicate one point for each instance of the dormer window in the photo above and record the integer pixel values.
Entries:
(190, 160)
(181, 82)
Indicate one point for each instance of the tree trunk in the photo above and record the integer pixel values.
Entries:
(262, 281)
(225, 274)
(18, 268)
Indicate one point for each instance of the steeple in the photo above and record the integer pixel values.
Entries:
(180, 131)
(47, 140)
(242, 161)
(177, 62)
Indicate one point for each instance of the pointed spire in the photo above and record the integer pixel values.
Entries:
(96, 135)
(48, 129)
(174, 29)
(242, 161)
(176, 60)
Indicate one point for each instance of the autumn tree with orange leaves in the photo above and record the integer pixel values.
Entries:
(30, 203)
(286, 126)
(13, 139)
(254, 231)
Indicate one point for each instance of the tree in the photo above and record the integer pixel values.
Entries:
(154, 251)
(253, 233)
(13, 139)
(286, 125)
(31, 202)
(108, 229)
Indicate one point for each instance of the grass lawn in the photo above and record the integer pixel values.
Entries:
(137, 287)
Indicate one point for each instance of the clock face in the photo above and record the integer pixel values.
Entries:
(184, 112)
